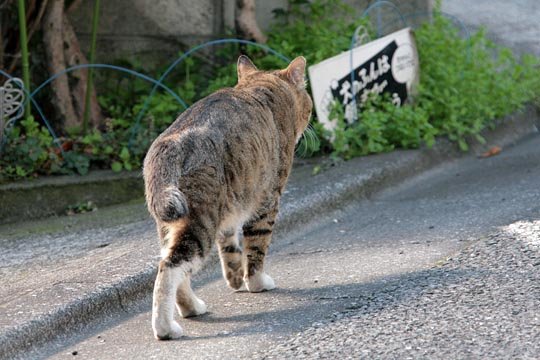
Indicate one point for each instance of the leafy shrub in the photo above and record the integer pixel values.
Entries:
(464, 85)
(381, 128)
(463, 81)
(29, 150)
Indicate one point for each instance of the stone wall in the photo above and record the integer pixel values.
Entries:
(156, 30)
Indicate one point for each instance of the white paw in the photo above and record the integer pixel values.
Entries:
(259, 282)
(163, 331)
(199, 308)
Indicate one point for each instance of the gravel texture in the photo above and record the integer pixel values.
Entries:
(481, 303)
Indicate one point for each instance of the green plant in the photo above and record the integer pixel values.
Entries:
(81, 208)
(28, 152)
(75, 162)
(315, 29)
(462, 84)
(381, 127)
(464, 80)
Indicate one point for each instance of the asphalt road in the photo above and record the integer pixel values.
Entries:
(445, 265)
(511, 23)
(480, 304)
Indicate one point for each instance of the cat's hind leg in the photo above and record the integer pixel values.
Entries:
(182, 253)
(230, 255)
(257, 237)
(187, 302)
(167, 282)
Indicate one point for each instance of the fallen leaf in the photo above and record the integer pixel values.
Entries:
(494, 150)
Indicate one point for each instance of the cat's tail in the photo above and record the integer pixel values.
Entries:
(164, 199)
(168, 204)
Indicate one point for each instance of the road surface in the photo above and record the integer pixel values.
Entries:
(445, 265)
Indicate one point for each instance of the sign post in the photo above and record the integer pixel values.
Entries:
(387, 65)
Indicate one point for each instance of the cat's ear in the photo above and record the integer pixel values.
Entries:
(295, 72)
(244, 67)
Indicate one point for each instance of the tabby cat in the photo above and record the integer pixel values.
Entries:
(219, 170)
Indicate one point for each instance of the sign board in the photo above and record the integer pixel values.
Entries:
(386, 65)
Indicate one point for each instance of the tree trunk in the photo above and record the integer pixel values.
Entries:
(63, 51)
(53, 40)
(74, 56)
(246, 22)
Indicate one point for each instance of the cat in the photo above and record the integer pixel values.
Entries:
(219, 169)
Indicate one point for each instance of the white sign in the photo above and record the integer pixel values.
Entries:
(386, 65)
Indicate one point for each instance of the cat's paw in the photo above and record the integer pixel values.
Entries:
(235, 279)
(164, 331)
(198, 308)
(259, 282)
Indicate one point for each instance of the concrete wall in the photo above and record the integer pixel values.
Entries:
(156, 30)
(149, 28)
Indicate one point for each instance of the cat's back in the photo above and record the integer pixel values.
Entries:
(229, 123)
(220, 115)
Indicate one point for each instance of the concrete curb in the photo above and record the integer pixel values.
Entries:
(354, 185)
(76, 315)
(51, 196)
(351, 181)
